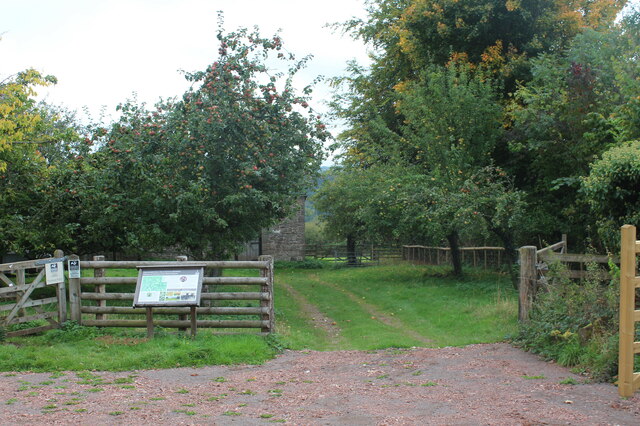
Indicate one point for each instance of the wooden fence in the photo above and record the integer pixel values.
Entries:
(628, 380)
(364, 254)
(478, 257)
(28, 298)
(106, 301)
(534, 268)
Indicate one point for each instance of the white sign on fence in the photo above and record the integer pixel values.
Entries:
(54, 272)
(169, 286)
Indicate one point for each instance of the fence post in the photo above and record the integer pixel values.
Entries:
(627, 306)
(75, 302)
(528, 278)
(21, 279)
(183, 317)
(99, 288)
(268, 288)
(61, 294)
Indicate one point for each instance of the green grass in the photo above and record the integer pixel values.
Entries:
(371, 308)
(416, 302)
(40, 353)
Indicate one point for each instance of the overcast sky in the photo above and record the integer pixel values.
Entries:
(102, 51)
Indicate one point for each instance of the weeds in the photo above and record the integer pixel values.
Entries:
(575, 323)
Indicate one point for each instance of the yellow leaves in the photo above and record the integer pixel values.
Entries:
(17, 119)
(401, 87)
(557, 333)
(492, 55)
(442, 28)
(459, 58)
(512, 5)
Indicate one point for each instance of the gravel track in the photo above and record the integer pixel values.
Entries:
(477, 384)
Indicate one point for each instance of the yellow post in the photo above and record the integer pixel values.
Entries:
(627, 307)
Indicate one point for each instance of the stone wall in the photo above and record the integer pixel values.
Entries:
(285, 241)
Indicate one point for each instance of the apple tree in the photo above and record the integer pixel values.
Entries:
(209, 170)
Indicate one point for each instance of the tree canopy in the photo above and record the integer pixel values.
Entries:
(509, 100)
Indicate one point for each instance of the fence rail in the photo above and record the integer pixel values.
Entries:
(364, 254)
(98, 301)
(479, 257)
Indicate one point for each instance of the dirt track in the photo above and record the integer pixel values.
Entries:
(477, 384)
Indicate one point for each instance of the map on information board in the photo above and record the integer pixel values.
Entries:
(168, 286)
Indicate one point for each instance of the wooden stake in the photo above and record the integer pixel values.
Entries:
(61, 293)
(528, 278)
(268, 288)
(194, 322)
(627, 307)
(149, 322)
(74, 296)
(100, 288)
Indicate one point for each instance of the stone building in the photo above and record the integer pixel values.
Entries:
(284, 241)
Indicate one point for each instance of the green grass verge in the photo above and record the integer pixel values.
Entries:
(84, 348)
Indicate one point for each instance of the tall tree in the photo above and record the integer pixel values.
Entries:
(578, 104)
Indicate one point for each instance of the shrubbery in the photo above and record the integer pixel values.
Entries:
(611, 189)
(576, 323)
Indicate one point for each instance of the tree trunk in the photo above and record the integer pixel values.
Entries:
(510, 254)
(456, 260)
(351, 250)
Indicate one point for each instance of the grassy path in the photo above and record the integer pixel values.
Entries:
(319, 320)
(391, 306)
(375, 312)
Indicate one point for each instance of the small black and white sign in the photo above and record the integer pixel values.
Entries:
(74, 268)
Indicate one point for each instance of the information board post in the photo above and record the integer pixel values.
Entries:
(149, 322)
(194, 321)
(182, 258)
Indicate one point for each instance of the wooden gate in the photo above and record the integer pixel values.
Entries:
(628, 380)
(20, 303)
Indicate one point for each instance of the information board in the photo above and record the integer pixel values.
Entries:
(168, 286)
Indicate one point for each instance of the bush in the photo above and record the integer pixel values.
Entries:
(575, 323)
(611, 189)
